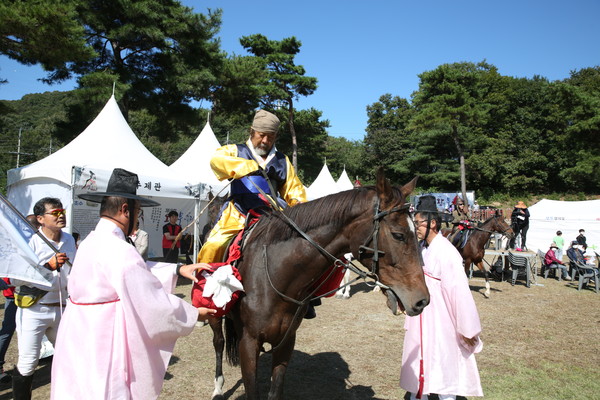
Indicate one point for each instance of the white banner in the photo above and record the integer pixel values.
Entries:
(86, 214)
(17, 259)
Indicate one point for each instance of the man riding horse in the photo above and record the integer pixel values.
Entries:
(460, 224)
(256, 168)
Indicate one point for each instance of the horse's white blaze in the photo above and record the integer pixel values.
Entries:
(411, 224)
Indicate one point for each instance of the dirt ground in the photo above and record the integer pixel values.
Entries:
(353, 349)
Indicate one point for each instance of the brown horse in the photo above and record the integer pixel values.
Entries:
(474, 249)
(282, 261)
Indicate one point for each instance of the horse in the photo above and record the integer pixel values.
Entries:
(474, 249)
(289, 251)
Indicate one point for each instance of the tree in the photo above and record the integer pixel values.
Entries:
(43, 31)
(388, 142)
(239, 86)
(161, 55)
(342, 153)
(312, 138)
(452, 99)
(285, 80)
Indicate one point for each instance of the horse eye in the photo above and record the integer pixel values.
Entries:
(398, 236)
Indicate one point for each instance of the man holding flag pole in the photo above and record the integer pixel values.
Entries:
(41, 283)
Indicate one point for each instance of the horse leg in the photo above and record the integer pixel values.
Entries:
(486, 274)
(249, 351)
(344, 292)
(216, 324)
(281, 358)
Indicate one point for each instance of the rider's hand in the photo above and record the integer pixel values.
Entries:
(204, 313)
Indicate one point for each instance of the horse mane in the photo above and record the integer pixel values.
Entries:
(334, 210)
(480, 224)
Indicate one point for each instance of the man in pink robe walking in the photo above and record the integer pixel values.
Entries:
(440, 343)
(120, 325)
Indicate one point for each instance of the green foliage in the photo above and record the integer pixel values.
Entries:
(43, 31)
(37, 117)
(518, 136)
(284, 81)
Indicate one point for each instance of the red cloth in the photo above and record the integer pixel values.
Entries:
(10, 292)
(332, 284)
(200, 301)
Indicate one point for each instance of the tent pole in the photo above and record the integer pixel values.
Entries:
(196, 230)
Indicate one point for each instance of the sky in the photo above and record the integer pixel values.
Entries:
(361, 50)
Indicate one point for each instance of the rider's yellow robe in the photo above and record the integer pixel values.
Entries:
(237, 162)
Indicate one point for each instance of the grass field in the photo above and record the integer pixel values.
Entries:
(539, 343)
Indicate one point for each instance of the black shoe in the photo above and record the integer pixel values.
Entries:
(21, 385)
(4, 377)
(310, 312)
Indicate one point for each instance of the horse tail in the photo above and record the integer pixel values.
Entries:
(232, 350)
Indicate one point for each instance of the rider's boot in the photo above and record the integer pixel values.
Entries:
(310, 312)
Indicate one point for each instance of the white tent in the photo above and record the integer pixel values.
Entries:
(194, 164)
(344, 183)
(549, 216)
(107, 143)
(322, 186)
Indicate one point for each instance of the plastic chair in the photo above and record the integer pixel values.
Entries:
(587, 273)
(519, 266)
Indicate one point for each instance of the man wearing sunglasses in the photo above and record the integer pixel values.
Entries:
(39, 308)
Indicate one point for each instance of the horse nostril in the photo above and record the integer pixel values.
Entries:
(421, 304)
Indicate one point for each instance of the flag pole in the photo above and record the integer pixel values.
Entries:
(18, 213)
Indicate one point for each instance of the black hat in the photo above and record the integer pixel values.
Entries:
(122, 183)
(427, 204)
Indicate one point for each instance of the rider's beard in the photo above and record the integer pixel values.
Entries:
(262, 150)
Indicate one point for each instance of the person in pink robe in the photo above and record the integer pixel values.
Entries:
(440, 343)
(120, 325)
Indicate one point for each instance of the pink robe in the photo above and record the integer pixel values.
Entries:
(120, 325)
(449, 365)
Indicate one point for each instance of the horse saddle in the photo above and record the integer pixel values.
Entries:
(460, 238)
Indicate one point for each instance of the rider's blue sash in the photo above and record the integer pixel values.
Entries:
(248, 184)
(245, 195)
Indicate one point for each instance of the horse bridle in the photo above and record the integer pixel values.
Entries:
(374, 237)
(503, 233)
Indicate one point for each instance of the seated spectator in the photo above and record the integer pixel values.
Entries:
(550, 261)
(576, 254)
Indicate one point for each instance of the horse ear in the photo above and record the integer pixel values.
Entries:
(384, 189)
(409, 187)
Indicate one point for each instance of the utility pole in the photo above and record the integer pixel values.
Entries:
(18, 152)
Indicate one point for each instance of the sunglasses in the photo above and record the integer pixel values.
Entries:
(57, 212)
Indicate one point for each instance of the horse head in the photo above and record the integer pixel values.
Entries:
(499, 225)
(394, 250)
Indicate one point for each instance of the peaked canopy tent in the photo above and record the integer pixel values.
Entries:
(107, 143)
(194, 167)
(194, 164)
(549, 216)
(322, 186)
(343, 182)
